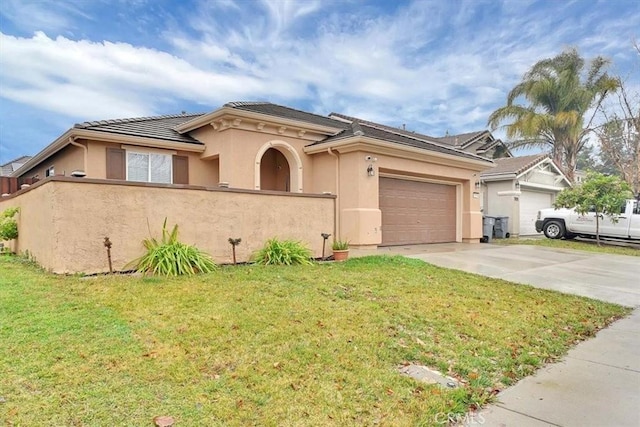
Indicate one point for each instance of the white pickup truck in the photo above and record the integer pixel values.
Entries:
(567, 223)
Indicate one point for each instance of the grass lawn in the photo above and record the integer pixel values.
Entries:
(248, 345)
(571, 244)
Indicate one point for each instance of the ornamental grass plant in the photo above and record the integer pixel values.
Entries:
(170, 257)
(282, 252)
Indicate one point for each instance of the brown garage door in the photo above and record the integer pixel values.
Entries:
(416, 212)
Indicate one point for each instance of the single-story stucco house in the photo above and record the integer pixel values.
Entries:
(518, 187)
(386, 186)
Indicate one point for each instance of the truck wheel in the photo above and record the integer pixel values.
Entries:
(553, 229)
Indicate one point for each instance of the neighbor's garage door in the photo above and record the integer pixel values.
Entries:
(530, 203)
(416, 212)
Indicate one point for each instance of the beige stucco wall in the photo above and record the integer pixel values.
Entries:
(238, 153)
(63, 221)
(64, 162)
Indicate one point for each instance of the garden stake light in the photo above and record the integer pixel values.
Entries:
(325, 236)
(234, 243)
(107, 244)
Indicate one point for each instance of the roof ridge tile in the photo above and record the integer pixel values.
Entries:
(87, 124)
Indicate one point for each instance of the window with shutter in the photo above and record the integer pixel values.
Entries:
(149, 167)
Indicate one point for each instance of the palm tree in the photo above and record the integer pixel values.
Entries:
(558, 95)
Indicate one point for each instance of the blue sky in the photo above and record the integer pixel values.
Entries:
(435, 66)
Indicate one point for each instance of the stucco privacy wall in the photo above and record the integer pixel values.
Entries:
(63, 221)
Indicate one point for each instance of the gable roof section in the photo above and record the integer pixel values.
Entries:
(9, 167)
(158, 127)
(462, 139)
(514, 165)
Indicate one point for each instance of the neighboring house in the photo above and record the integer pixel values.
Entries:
(520, 186)
(579, 176)
(481, 143)
(10, 167)
(393, 187)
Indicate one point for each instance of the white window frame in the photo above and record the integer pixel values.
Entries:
(50, 171)
(148, 154)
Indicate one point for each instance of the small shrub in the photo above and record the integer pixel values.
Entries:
(169, 257)
(340, 245)
(282, 252)
(8, 225)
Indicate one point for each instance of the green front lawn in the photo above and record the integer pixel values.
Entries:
(247, 345)
(571, 244)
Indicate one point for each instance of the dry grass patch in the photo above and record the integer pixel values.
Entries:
(250, 345)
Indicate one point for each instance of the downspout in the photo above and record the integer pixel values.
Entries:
(337, 204)
(72, 141)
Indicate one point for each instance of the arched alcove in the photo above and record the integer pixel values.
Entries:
(274, 171)
(278, 167)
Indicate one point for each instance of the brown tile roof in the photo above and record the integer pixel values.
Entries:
(460, 139)
(399, 131)
(514, 165)
(158, 127)
(287, 113)
(162, 127)
(395, 135)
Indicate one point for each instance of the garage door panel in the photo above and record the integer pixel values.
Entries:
(417, 212)
(530, 203)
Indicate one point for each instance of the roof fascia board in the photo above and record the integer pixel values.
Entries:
(137, 140)
(397, 150)
(258, 117)
(75, 133)
(498, 177)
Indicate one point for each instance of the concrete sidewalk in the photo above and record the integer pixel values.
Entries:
(598, 382)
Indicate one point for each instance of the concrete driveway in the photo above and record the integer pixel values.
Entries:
(598, 382)
(613, 278)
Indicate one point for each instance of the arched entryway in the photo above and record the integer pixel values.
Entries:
(274, 171)
(278, 168)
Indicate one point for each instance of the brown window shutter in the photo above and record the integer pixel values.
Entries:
(116, 163)
(180, 169)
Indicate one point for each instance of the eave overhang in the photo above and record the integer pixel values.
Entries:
(377, 146)
(74, 134)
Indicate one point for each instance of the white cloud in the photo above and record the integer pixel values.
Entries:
(432, 65)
